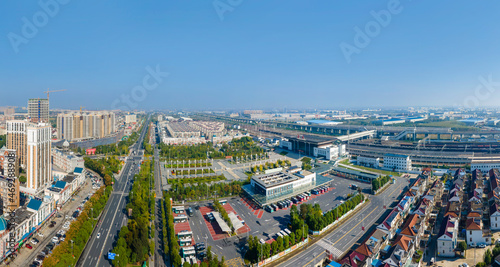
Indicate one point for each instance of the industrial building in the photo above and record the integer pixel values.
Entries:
(306, 144)
(390, 121)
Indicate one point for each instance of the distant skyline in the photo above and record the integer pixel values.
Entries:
(254, 55)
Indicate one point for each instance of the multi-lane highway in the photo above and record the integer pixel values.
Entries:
(344, 237)
(114, 216)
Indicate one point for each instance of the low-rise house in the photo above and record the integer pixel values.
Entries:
(494, 181)
(475, 232)
(398, 257)
(447, 237)
(413, 228)
(391, 223)
(354, 259)
(495, 216)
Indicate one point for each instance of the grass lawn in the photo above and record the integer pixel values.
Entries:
(346, 162)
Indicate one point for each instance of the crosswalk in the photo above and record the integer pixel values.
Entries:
(328, 246)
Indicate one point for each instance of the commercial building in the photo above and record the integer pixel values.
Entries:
(195, 132)
(38, 110)
(397, 162)
(275, 186)
(87, 125)
(16, 139)
(66, 160)
(38, 159)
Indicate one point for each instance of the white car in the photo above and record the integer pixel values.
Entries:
(98, 235)
(55, 239)
(40, 234)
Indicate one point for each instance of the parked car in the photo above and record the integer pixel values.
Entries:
(481, 245)
(29, 246)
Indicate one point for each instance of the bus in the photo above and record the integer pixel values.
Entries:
(178, 209)
(222, 201)
(185, 233)
(188, 251)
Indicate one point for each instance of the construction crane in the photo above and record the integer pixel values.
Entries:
(81, 109)
(53, 91)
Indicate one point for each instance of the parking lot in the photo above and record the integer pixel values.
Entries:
(263, 224)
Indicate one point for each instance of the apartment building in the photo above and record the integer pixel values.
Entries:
(38, 158)
(16, 139)
(87, 125)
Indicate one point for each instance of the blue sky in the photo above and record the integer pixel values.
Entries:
(254, 54)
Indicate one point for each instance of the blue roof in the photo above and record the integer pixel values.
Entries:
(395, 155)
(334, 264)
(3, 224)
(376, 262)
(34, 204)
(321, 121)
(60, 184)
(393, 119)
(78, 170)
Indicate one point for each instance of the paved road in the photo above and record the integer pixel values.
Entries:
(114, 216)
(344, 237)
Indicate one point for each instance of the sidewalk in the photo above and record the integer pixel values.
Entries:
(26, 256)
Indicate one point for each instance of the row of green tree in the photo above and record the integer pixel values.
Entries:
(223, 213)
(258, 251)
(148, 148)
(135, 242)
(269, 165)
(380, 182)
(79, 233)
(192, 171)
(314, 217)
(202, 190)
(3, 140)
(241, 147)
(200, 151)
(196, 180)
(105, 167)
(178, 164)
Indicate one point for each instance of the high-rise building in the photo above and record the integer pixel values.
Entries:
(38, 158)
(16, 139)
(77, 126)
(38, 110)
